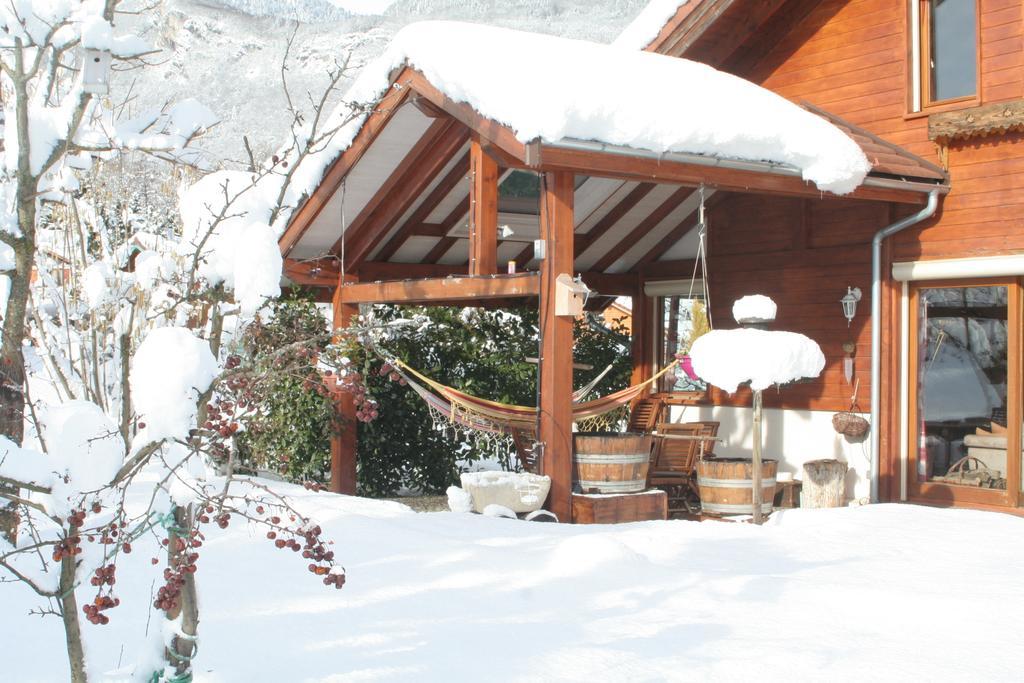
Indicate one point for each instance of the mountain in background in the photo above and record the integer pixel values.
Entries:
(227, 53)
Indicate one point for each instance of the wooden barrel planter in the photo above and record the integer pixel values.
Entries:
(726, 486)
(611, 462)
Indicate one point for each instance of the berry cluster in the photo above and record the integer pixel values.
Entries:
(352, 382)
(174, 578)
(335, 577)
(77, 518)
(104, 576)
(93, 611)
(220, 418)
(67, 547)
(104, 579)
(387, 371)
(307, 538)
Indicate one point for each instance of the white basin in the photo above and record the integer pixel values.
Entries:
(518, 491)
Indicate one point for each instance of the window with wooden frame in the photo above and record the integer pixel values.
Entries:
(965, 408)
(680, 316)
(944, 53)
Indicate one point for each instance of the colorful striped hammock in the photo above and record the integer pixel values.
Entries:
(472, 412)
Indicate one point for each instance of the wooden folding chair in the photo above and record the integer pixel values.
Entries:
(644, 415)
(674, 461)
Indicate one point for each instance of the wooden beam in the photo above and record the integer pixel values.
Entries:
(426, 107)
(315, 273)
(766, 46)
(415, 224)
(645, 226)
(483, 211)
(496, 133)
(668, 270)
(555, 419)
(609, 220)
(688, 23)
(344, 440)
(675, 234)
(660, 170)
(449, 222)
(738, 23)
(339, 168)
(612, 284)
(398, 193)
(434, 290)
(424, 230)
(524, 257)
(370, 271)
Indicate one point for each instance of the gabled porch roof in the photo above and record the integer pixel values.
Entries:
(640, 131)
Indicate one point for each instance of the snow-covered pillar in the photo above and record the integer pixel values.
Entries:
(555, 428)
(483, 211)
(344, 441)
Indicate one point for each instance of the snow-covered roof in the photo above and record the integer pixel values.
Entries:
(554, 89)
(608, 106)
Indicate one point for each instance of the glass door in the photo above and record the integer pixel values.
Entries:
(966, 403)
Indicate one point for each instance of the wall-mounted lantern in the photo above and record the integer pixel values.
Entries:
(849, 302)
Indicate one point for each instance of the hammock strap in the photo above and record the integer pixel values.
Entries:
(582, 392)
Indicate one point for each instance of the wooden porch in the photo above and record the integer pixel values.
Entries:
(414, 212)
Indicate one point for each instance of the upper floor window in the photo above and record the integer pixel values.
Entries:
(945, 51)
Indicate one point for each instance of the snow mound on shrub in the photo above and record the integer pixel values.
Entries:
(170, 369)
(728, 358)
(754, 307)
(84, 451)
(239, 249)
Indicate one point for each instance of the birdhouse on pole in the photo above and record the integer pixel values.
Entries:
(96, 71)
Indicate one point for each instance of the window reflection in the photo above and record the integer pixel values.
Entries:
(962, 386)
(952, 39)
(682, 320)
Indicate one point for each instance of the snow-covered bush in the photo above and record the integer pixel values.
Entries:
(120, 328)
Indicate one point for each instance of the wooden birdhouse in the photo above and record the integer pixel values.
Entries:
(570, 295)
(96, 71)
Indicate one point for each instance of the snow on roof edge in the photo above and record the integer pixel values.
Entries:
(553, 88)
(648, 24)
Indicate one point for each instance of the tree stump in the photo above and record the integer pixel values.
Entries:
(824, 484)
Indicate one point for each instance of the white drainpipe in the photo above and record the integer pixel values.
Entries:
(876, 329)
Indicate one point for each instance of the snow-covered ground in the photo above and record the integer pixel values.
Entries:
(889, 592)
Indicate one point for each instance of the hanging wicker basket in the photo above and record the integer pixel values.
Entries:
(850, 424)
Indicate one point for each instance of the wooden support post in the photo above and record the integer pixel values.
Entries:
(483, 211)
(555, 429)
(643, 334)
(756, 464)
(344, 442)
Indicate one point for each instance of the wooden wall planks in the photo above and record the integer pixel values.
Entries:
(803, 254)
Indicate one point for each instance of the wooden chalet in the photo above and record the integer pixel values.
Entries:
(413, 211)
(944, 80)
